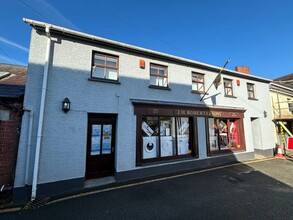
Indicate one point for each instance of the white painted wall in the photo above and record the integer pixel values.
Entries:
(63, 149)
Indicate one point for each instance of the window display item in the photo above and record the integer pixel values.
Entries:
(224, 141)
(168, 132)
(147, 129)
(234, 137)
(149, 147)
(183, 128)
(96, 140)
(214, 142)
(166, 146)
(223, 126)
(183, 144)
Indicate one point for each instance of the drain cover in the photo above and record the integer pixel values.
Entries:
(37, 203)
(233, 179)
(240, 169)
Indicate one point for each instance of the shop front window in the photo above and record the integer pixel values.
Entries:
(224, 134)
(165, 137)
(183, 136)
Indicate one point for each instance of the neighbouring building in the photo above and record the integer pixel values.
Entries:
(108, 109)
(12, 85)
(281, 92)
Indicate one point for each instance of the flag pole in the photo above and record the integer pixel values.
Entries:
(215, 78)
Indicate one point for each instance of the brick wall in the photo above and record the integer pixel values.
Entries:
(243, 69)
(8, 150)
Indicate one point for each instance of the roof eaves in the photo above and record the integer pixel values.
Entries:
(281, 86)
(128, 47)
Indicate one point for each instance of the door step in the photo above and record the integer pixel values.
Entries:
(99, 182)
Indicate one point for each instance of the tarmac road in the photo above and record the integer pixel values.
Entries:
(255, 190)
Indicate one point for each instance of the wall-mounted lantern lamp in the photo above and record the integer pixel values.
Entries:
(66, 105)
(265, 114)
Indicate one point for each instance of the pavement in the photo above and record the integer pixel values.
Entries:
(260, 189)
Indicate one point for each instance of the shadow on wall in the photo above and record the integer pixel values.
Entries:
(68, 131)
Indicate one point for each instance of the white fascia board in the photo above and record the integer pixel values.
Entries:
(140, 49)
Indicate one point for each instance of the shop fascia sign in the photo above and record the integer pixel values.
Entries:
(206, 113)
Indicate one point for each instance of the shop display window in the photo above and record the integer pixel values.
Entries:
(183, 136)
(224, 134)
(165, 137)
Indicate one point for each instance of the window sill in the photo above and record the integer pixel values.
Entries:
(197, 92)
(230, 96)
(104, 80)
(166, 160)
(226, 151)
(253, 99)
(159, 87)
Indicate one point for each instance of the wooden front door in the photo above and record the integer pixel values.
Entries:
(100, 146)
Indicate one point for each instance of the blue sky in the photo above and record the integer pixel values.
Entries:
(254, 33)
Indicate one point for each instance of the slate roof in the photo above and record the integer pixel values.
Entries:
(286, 81)
(12, 80)
(285, 78)
(12, 74)
(11, 91)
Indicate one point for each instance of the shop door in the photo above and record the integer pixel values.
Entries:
(100, 146)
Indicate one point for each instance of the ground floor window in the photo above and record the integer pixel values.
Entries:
(169, 132)
(165, 137)
(225, 134)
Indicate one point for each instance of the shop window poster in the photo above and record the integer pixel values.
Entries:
(147, 129)
(183, 144)
(183, 128)
(96, 140)
(107, 137)
(234, 136)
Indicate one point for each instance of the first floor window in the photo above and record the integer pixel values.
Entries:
(165, 137)
(250, 91)
(224, 134)
(228, 87)
(105, 66)
(158, 75)
(198, 82)
(290, 105)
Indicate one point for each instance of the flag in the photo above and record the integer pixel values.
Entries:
(218, 80)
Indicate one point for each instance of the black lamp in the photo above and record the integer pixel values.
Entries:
(66, 105)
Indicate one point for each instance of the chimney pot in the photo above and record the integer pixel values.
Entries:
(243, 69)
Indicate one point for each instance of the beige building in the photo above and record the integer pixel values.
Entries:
(281, 93)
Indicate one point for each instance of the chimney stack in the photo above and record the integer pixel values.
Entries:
(243, 69)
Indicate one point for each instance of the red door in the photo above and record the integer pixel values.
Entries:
(100, 146)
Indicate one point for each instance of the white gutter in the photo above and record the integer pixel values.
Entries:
(29, 144)
(41, 116)
(281, 86)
